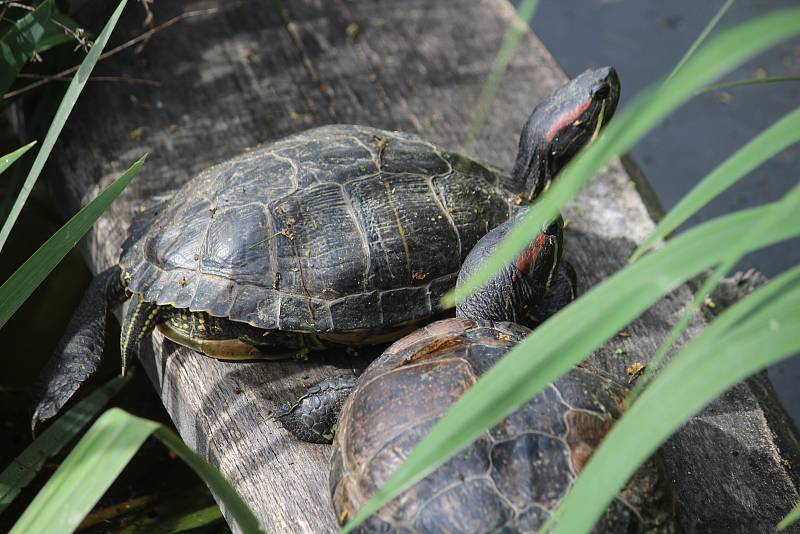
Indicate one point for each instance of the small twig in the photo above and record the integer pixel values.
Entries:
(122, 79)
(17, 4)
(120, 48)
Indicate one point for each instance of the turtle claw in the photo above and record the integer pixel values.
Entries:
(78, 354)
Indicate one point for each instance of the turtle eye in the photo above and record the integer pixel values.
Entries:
(601, 90)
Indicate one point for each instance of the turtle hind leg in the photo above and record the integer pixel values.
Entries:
(139, 321)
(314, 416)
(78, 353)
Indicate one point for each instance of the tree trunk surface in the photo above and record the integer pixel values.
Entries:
(247, 74)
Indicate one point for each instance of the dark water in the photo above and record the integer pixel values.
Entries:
(644, 39)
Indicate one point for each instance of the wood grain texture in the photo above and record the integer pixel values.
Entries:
(247, 75)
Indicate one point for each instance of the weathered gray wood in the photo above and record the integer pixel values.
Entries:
(246, 75)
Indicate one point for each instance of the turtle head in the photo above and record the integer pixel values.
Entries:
(514, 292)
(561, 125)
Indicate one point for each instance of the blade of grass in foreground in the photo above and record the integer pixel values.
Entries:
(9, 159)
(722, 53)
(21, 284)
(788, 204)
(25, 466)
(518, 27)
(780, 135)
(64, 109)
(98, 459)
(750, 81)
(554, 348)
(702, 37)
(792, 517)
(708, 365)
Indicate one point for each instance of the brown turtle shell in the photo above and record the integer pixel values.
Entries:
(341, 229)
(514, 474)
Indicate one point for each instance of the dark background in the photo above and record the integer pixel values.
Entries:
(644, 40)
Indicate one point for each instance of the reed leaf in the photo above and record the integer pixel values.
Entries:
(64, 109)
(777, 137)
(722, 53)
(95, 463)
(25, 467)
(27, 278)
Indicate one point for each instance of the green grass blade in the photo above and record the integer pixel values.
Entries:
(522, 19)
(706, 367)
(237, 508)
(8, 160)
(19, 43)
(788, 204)
(25, 466)
(553, 348)
(749, 81)
(780, 135)
(193, 520)
(86, 473)
(719, 55)
(792, 517)
(21, 284)
(97, 460)
(702, 37)
(64, 109)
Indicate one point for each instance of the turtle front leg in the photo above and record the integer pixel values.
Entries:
(139, 321)
(78, 353)
(314, 416)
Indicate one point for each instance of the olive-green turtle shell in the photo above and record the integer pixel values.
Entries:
(337, 229)
(514, 475)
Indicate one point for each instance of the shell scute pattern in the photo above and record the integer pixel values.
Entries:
(514, 474)
(307, 233)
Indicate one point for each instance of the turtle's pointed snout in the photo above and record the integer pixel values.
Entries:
(607, 83)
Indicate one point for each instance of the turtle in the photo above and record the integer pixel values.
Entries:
(512, 476)
(338, 235)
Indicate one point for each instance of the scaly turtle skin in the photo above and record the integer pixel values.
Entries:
(340, 235)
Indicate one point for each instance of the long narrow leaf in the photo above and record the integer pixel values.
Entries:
(788, 204)
(237, 508)
(749, 81)
(722, 53)
(64, 109)
(706, 367)
(26, 466)
(791, 518)
(780, 135)
(21, 284)
(86, 473)
(8, 160)
(702, 37)
(553, 348)
(19, 43)
(517, 29)
(98, 459)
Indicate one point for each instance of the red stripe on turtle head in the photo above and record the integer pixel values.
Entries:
(526, 261)
(567, 118)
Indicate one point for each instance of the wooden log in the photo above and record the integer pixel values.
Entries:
(247, 74)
